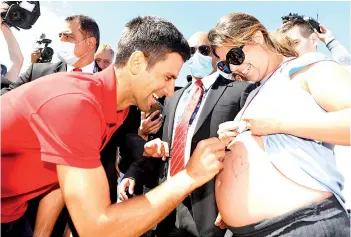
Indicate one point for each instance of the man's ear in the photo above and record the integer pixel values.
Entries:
(137, 62)
(91, 43)
(315, 39)
(258, 37)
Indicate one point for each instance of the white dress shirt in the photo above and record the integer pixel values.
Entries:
(183, 101)
(88, 68)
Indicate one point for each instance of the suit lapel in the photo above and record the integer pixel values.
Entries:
(172, 110)
(61, 67)
(213, 96)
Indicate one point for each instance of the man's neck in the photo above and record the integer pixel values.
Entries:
(124, 96)
(84, 61)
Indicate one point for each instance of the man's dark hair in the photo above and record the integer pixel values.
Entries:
(155, 37)
(88, 26)
(304, 27)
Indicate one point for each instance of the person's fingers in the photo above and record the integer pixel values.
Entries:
(131, 186)
(149, 125)
(217, 147)
(154, 125)
(4, 6)
(143, 115)
(231, 127)
(122, 188)
(225, 141)
(218, 220)
(323, 29)
(225, 135)
(166, 149)
(318, 34)
(154, 114)
(159, 149)
(222, 225)
(149, 145)
(154, 131)
(123, 195)
(208, 142)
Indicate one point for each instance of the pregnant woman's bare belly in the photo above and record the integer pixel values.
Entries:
(250, 189)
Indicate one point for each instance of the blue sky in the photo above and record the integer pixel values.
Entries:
(190, 17)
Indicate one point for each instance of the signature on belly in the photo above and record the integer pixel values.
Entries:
(239, 164)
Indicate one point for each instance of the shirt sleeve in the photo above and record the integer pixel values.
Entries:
(339, 52)
(70, 131)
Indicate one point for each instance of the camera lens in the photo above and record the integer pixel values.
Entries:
(17, 16)
(47, 52)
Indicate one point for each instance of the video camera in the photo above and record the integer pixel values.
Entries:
(21, 14)
(46, 52)
(294, 16)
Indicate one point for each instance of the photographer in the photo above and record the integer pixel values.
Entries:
(14, 50)
(305, 37)
(42, 54)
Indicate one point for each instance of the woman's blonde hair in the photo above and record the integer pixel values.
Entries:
(106, 47)
(237, 28)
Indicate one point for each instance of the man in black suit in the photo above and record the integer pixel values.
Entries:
(221, 100)
(78, 42)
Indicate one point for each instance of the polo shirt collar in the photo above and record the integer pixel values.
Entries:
(109, 79)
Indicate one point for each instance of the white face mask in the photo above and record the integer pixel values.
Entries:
(65, 52)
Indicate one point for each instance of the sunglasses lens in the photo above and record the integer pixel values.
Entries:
(192, 50)
(224, 67)
(235, 56)
(205, 50)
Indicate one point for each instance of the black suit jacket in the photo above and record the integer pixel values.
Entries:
(34, 72)
(224, 101)
(5, 82)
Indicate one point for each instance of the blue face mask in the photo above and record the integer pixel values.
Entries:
(200, 65)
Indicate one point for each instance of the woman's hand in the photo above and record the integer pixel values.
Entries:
(263, 125)
(229, 130)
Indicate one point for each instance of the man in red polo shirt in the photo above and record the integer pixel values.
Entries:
(54, 128)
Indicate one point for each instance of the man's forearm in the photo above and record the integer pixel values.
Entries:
(13, 47)
(148, 209)
(339, 52)
(49, 209)
(15, 54)
(333, 127)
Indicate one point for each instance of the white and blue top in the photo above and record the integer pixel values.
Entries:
(307, 162)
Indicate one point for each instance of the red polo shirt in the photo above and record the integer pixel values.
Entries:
(63, 118)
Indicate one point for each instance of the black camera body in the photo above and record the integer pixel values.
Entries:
(294, 16)
(21, 14)
(46, 52)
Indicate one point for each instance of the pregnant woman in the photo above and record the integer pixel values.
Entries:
(280, 176)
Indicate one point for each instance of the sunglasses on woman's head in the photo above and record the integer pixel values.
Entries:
(203, 49)
(235, 56)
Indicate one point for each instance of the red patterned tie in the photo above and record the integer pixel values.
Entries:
(76, 69)
(178, 148)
